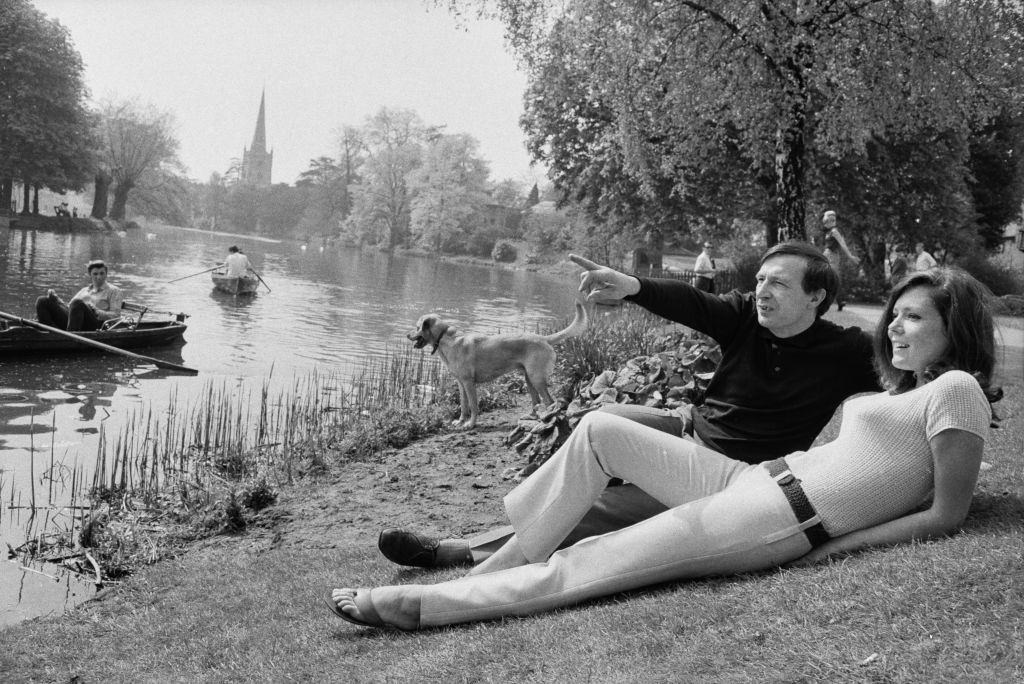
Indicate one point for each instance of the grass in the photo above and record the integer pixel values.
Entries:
(246, 608)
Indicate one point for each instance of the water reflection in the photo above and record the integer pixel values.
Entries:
(327, 311)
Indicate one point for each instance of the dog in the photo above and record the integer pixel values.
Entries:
(473, 358)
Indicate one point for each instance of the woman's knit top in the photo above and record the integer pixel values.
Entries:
(880, 465)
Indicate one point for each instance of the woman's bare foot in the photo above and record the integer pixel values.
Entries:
(508, 556)
(381, 607)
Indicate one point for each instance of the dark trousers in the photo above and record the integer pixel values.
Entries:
(56, 314)
(704, 283)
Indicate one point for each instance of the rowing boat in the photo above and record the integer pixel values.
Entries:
(21, 339)
(247, 284)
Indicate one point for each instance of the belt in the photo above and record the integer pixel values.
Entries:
(802, 508)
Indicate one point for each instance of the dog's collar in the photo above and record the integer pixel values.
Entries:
(437, 342)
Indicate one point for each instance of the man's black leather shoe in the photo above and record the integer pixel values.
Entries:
(406, 548)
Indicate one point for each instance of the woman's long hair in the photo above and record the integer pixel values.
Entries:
(963, 303)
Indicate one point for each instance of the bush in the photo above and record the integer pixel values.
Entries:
(996, 277)
(867, 289)
(480, 244)
(746, 261)
(504, 252)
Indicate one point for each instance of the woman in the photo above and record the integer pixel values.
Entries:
(923, 438)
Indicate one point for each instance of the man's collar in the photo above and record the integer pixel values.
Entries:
(801, 339)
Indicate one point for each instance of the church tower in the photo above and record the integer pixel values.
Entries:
(256, 161)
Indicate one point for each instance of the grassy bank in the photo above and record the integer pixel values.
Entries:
(246, 607)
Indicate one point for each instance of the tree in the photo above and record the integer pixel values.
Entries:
(533, 197)
(135, 141)
(326, 195)
(381, 200)
(667, 82)
(997, 174)
(45, 127)
(449, 192)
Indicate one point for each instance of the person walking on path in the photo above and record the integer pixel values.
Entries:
(924, 260)
(898, 268)
(704, 268)
(902, 468)
(839, 255)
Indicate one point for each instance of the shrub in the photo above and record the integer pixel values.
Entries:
(504, 252)
(996, 277)
(481, 244)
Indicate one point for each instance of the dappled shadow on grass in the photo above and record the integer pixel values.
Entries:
(993, 512)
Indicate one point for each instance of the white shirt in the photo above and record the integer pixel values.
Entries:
(237, 264)
(924, 262)
(106, 298)
(703, 266)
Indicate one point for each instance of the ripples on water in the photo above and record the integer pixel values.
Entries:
(329, 312)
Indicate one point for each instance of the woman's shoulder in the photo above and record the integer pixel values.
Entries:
(957, 386)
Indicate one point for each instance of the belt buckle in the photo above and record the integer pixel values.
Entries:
(785, 478)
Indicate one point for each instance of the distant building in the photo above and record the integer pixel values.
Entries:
(256, 161)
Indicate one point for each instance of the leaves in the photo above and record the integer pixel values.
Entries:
(679, 375)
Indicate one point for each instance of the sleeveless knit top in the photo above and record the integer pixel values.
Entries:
(880, 466)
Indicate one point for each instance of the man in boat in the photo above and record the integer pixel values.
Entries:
(237, 264)
(89, 309)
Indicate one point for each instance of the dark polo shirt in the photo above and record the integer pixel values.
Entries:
(770, 396)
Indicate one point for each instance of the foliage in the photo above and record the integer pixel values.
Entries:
(326, 197)
(137, 144)
(162, 195)
(997, 174)
(391, 429)
(1000, 279)
(382, 201)
(448, 194)
(678, 374)
(504, 252)
(46, 130)
(661, 96)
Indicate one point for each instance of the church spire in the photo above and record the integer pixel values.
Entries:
(256, 161)
(259, 138)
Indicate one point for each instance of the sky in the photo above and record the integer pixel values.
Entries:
(323, 64)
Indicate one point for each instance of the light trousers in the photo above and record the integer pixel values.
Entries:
(617, 507)
(724, 517)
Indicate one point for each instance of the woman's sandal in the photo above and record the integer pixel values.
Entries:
(365, 605)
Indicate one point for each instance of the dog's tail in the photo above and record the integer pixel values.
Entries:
(575, 329)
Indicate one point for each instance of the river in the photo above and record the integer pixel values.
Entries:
(324, 309)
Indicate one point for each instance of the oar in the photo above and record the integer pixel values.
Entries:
(193, 275)
(145, 309)
(261, 279)
(99, 345)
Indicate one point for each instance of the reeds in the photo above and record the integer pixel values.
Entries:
(207, 454)
(232, 432)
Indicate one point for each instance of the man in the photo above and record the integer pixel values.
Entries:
(89, 309)
(924, 260)
(783, 373)
(704, 268)
(898, 267)
(839, 255)
(237, 264)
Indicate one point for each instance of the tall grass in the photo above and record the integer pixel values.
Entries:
(237, 433)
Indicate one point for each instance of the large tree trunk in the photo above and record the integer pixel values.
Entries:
(35, 199)
(26, 198)
(790, 172)
(100, 194)
(791, 149)
(6, 196)
(120, 201)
